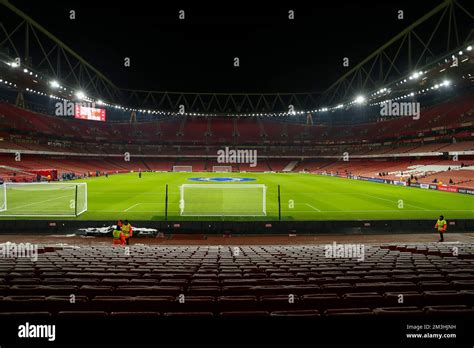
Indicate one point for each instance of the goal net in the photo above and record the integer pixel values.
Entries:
(222, 200)
(222, 169)
(43, 199)
(182, 168)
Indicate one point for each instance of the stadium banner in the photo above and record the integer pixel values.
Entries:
(444, 188)
(466, 191)
(447, 188)
(377, 180)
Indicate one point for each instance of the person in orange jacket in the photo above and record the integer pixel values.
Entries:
(127, 231)
(442, 226)
(119, 238)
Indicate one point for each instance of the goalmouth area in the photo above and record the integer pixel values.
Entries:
(223, 200)
(43, 200)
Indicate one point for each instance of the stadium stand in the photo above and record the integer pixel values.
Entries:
(155, 145)
(217, 283)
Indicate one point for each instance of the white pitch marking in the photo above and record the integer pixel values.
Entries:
(131, 207)
(388, 200)
(48, 200)
(309, 205)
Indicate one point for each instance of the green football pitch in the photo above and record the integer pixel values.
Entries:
(303, 197)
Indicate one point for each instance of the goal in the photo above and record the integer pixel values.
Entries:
(222, 169)
(43, 199)
(223, 200)
(182, 168)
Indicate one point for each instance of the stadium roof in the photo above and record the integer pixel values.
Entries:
(276, 53)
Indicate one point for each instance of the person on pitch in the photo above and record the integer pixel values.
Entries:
(442, 226)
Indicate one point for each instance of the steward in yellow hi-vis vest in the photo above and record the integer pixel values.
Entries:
(119, 238)
(441, 226)
(127, 231)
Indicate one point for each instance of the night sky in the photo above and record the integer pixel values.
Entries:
(197, 54)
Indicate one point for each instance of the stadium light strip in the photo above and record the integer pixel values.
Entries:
(358, 100)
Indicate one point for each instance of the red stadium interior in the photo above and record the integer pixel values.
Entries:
(390, 146)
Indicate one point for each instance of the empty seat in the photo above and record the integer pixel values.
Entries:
(468, 297)
(45, 290)
(141, 290)
(188, 314)
(204, 291)
(350, 312)
(112, 303)
(279, 302)
(434, 285)
(399, 311)
(24, 315)
(23, 304)
(153, 303)
(321, 301)
(455, 310)
(463, 284)
(296, 313)
(95, 290)
(409, 298)
(236, 303)
(135, 314)
(67, 303)
(237, 290)
(362, 300)
(244, 314)
(194, 303)
(338, 288)
(82, 314)
(443, 297)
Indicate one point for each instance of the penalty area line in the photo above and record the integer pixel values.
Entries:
(133, 206)
(309, 205)
(40, 202)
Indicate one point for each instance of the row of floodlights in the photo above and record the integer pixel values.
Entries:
(445, 83)
(360, 99)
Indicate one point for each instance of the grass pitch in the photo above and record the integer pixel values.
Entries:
(303, 197)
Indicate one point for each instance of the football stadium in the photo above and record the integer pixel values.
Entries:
(321, 177)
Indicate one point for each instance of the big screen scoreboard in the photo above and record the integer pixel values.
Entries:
(88, 113)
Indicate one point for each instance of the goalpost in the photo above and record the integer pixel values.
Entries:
(222, 169)
(43, 199)
(223, 200)
(182, 168)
